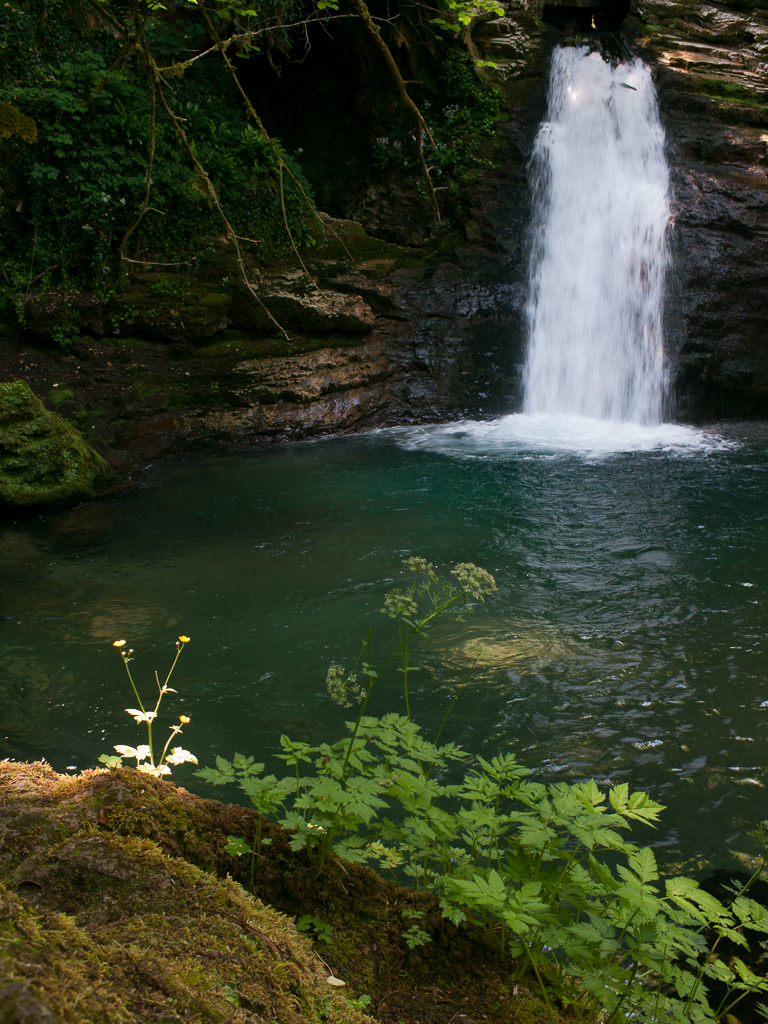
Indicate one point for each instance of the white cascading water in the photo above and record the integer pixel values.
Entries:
(595, 377)
(601, 189)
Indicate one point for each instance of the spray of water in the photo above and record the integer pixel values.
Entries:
(599, 257)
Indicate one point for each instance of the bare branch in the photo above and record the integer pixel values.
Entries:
(150, 161)
(102, 11)
(239, 37)
(156, 263)
(210, 190)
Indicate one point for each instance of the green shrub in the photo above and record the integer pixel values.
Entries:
(84, 175)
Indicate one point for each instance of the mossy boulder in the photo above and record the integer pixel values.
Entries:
(98, 928)
(121, 886)
(43, 460)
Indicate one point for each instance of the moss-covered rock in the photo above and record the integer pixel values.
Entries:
(120, 903)
(107, 929)
(43, 460)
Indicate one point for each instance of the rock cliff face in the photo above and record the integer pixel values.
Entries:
(712, 63)
(378, 329)
(372, 334)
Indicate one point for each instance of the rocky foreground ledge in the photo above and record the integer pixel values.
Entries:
(118, 905)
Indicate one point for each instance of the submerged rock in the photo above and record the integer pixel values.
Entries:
(43, 460)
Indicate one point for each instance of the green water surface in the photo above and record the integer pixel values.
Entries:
(626, 641)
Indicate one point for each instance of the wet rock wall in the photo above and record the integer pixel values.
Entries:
(712, 73)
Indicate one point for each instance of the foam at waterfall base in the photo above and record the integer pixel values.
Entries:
(543, 434)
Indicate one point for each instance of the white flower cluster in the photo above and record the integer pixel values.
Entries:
(177, 756)
(344, 691)
(475, 582)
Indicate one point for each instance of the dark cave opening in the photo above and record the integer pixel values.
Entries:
(590, 16)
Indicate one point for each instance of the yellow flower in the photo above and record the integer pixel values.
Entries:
(184, 639)
(184, 719)
(119, 643)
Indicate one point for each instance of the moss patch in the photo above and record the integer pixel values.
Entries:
(119, 934)
(43, 460)
(244, 345)
(719, 88)
(104, 928)
(13, 122)
(124, 889)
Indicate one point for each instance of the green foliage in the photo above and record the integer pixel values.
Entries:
(534, 862)
(85, 175)
(576, 908)
(415, 936)
(362, 1002)
(323, 932)
(460, 127)
(460, 14)
(236, 847)
(85, 121)
(336, 808)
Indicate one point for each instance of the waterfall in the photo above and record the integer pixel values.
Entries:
(595, 377)
(599, 253)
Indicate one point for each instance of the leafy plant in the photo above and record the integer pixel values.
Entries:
(462, 126)
(144, 753)
(361, 1002)
(335, 808)
(574, 906)
(415, 936)
(322, 930)
(84, 172)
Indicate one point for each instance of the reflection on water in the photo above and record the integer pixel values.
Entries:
(626, 640)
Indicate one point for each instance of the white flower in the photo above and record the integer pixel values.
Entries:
(149, 770)
(179, 755)
(141, 716)
(141, 753)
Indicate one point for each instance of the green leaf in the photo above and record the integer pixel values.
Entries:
(643, 863)
(113, 761)
(752, 914)
(749, 979)
(237, 846)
